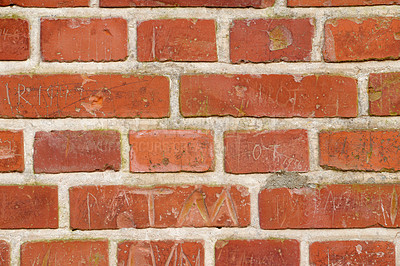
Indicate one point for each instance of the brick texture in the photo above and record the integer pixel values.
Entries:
(176, 40)
(4, 253)
(383, 94)
(84, 40)
(317, 3)
(111, 207)
(11, 151)
(90, 96)
(268, 95)
(171, 151)
(330, 206)
(47, 3)
(187, 3)
(266, 151)
(14, 41)
(76, 151)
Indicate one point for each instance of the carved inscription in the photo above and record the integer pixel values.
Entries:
(124, 207)
(11, 151)
(14, 39)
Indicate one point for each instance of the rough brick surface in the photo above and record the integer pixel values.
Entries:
(257, 252)
(84, 40)
(187, 3)
(46, 3)
(11, 151)
(176, 40)
(319, 3)
(64, 253)
(160, 253)
(360, 150)
(4, 253)
(97, 96)
(268, 40)
(112, 207)
(28, 207)
(76, 151)
(14, 41)
(362, 39)
(383, 92)
(331, 206)
(268, 95)
(352, 253)
(266, 151)
(171, 151)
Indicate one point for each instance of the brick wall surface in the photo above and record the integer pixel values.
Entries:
(199, 132)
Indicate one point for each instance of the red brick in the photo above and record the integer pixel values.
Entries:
(319, 3)
(161, 253)
(383, 92)
(268, 95)
(47, 3)
(28, 207)
(113, 207)
(65, 253)
(266, 151)
(4, 253)
(84, 40)
(352, 253)
(359, 40)
(11, 151)
(14, 43)
(257, 252)
(331, 206)
(270, 40)
(176, 40)
(360, 150)
(171, 151)
(187, 3)
(76, 151)
(59, 96)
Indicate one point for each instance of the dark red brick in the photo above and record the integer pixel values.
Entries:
(257, 252)
(360, 150)
(187, 3)
(76, 151)
(330, 206)
(113, 207)
(4, 253)
(46, 3)
(84, 39)
(177, 40)
(11, 151)
(270, 40)
(268, 95)
(59, 96)
(14, 40)
(383, 92)
(352, 253)
(161, 253)
(266, 151)
(65, 253)
(171, 151)
(28, 207)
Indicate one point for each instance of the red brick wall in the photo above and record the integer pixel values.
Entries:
(199, 132)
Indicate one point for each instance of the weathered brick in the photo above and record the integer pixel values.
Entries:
(319, 3)
(187, 3)
(46, 3)
(14, 41)
(28, 207)
(64, 253)
(84, 39)
(268, 95)
(171, 151)
(11, 151)
(161, 252)
(331, 206)
(59, 96)
(352, 253)
(76, 151)
(270, 40)
(362, 39)
(4, 253)
(113, 207)
(266, 151)
(176, 40)
(257, 252)
(360, 150)
(383, 92)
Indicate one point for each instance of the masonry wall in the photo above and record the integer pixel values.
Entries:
(199, 132)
